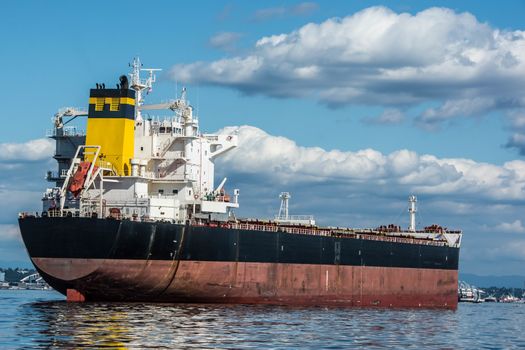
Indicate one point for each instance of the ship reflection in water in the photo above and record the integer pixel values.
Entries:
(58, 324)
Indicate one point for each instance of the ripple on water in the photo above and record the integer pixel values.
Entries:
(44, 320)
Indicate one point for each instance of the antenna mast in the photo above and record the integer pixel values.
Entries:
(140, 85)
(412, 212)
(283, 210)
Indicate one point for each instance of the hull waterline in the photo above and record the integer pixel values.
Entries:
(104, 259)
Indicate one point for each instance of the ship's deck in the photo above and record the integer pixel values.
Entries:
(425, 237)
(434, 235)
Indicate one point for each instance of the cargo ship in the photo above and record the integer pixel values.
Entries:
(135, 215)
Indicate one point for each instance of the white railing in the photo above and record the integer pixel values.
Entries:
(176, 155)
(331, 232)
(55, 175)
(294, 217)
(212, 137)
(163, 148)
(164, 175)
(106, 165)
(129, 209)
(66, 131)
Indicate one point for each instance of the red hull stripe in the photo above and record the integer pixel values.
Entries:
(253, 283)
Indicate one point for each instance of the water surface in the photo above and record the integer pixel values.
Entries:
(42, 319)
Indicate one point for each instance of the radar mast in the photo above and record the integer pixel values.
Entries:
(139, 85)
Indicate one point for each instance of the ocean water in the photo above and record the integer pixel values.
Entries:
(42, 319)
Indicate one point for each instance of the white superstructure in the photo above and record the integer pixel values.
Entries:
(172, 171)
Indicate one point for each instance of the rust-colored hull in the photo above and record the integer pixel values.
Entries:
(252, 283)
(98, 259)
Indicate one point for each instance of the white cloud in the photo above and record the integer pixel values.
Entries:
(225, 40)
(511, 250)
(390, 116)
(517, 140)
(269, 13)
(22, 181)
(517, 125)
(304, 8)
(380, 57)
(402, 171)
(511, 227)
(23, 167)
(301, 9)
(433, 117)
(9, 233)
(21, 185)
(14, 201)
(33, 150)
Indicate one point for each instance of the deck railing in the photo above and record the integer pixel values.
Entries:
(366, 234)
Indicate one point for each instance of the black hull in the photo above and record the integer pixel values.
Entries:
(136, 250)
(112, 239)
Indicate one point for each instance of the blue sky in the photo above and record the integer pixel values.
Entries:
(65, 48)
(446, 83)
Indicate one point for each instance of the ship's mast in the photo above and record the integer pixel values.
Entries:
(283, 210)
(412, 212)
(140, 85)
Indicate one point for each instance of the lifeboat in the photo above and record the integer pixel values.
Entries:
(77, 183)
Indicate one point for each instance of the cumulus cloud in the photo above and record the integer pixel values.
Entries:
(433, 117)
(14, 201)
(225, 40)
(517, 125)
(33, 150)
(512, 250)
(9, 232)
(402, 171)
(379, 57)
(23, 167)
(517, 140)
(22, 183)
(515, 226)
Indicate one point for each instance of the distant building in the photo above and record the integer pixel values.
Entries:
(2, 276)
